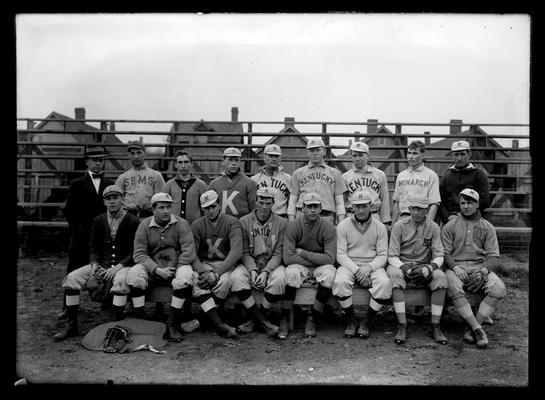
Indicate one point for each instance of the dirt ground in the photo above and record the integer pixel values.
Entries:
(255, 359)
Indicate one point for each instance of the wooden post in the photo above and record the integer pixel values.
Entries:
(248, 163)
(325, 138)
(401, 153)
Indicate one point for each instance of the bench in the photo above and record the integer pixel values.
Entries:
(415, 295)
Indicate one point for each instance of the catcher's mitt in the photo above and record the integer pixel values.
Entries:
(417, 277)
(116, 338)
(475, 281)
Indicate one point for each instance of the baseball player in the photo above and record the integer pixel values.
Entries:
(318, 177)
(163, 252)
(271, 176)
(471, 251)
(363, 176)
(417, 179)
(111, 249)
(218, 241)
(263, 242)
(362, 253)
(460, 175)
(415, 254)
(139, 183)
(310, 245)
(235, 189)
(185, 189)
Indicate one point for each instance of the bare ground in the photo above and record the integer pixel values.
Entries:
(255, 359)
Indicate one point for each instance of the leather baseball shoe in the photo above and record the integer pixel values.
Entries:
(310, 327)
(351, 326)
(283, 329)
(363, 329)
(438, 335)
(480, 338)
(227, 331)
(401, 334)
(269, 328)
(246, 327)
(468, 336)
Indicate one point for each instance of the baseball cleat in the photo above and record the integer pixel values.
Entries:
(190, 326)
(283, 329)
(363, 329)
(438, 335)
(246, 327)
(310, 327)
(480, 338)
(401, 334)
(351, 326)
(227, 331)
(269, 328)
(468, 336)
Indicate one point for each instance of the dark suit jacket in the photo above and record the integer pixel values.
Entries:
(83, 203)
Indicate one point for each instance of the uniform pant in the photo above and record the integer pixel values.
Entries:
(139, 277)
(276, 281)
(77, 280)
(324, 275)
(493, 286)
(343, 285)
(439, 279)
(222, 288)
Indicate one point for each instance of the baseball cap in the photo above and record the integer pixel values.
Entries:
(470, 193)
(112, 189)
(136, 144)
(95, 152)
(459, 145)
(232, 152)
(265, 192)
(273, 149)
(157, 197)
(361, 197)
(418, 201)
(315, 143)
(360, 146)
(312, 198)
(207, 198)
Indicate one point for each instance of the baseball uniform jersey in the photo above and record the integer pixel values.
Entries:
(421, 180)
(279, 182)
(373, 181)
(138, 185)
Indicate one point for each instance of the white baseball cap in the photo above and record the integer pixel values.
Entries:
(361, 197)
(112, 189)
(232, 152)
(418, 201)
(470, 193)
(158, 197)
(273, 149)
(360, 146)
(312, 198)
(315, 143)
(208, 198)
(265, 192)
(459, 145)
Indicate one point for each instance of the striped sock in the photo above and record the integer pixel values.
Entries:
(486, 308)
(374, 305)
(398, 298)
(464, 309)
(437, 303)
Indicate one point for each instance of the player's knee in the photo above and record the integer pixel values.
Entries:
(497, 289)
(439, 280)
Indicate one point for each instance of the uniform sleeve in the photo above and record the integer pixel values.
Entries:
(342, 249)
(187, 244)
(490, 244)
(140, 254)
(294, 193)
(330, 247)
(433, 193)
(276, 258)
(384, 195)
(235, 251)
(394, 246)
(483, 188)
(340, 183)
(119, 182)
(159, 183)
(395, 196)
(381, 258)
(290, 240)
(447, 238)
(438, 254)
(247, 258)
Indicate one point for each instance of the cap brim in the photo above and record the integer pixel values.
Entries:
(274, 153)
(359, 202)
(311, 202)
(208, 203)
(110, 194)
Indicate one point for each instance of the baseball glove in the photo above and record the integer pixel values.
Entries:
(99, 288)
(116, 338)
(417, 277)
(475, 281)
(166, 258)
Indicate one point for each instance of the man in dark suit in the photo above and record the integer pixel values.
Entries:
(83, 203)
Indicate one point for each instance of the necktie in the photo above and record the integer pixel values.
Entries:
(99, 175)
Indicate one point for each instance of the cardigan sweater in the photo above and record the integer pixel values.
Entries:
(186, 200)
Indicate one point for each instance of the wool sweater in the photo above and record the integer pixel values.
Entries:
(262, 241)
(186, 200)
(318, 239)
(108, 252)
(150, 238)
(237, 195)
(455, 180)
(217, 241)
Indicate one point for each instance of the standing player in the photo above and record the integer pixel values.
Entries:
(364, 177)
(139, 183)
(418, 180)
(272, 176)
(318, 177)
(263, 241)
(310, 244)
(163, 252)
(112, 238)
(235, 189)
(218, 242)
(415, 254)
(362, 253)
(460, 175)
(471, 252)
(185, 189)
